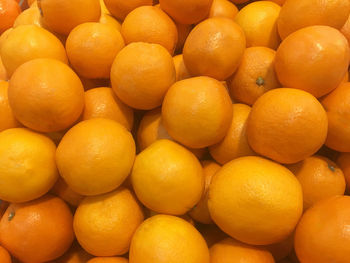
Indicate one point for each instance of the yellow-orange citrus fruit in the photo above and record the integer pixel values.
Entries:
(7, 119)
(223, 8)
(30, 16)
(120, 8)
(180, 68)
(110, 20)
(3, 73)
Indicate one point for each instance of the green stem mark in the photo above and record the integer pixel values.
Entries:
(260, 81)
(331, 167)
(11, 215)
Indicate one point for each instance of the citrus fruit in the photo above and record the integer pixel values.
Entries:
(4, 36)
(7, 119)
(9, 10)
(108, 260)
(62, 190)
(180, 68)
(30, 16)
(3, 73)
(120, 8)
(110, 20)
(223, 8)
(343, 161)
(4, 255)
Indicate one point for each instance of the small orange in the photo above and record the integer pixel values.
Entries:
(254, 76)
(164, 238)
(9, 10)
(62, 190)
(180, 68)
(92, 47)
(30, 16)
(46, 95)
(7, 119)
(3, 73)
(223, 8)
(211, 233)
(183, 31)
(287, 131)
(343, 161)
(141, 74)
(108, 260)
(5, 257)
(214, 48)
(74, 255)
(110, 20)
(37, 231)
(120, 8)
(197, 112)
(150, 24)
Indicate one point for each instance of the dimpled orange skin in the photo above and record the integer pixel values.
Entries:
(152, 25)
(322, 234)
(46, 95)
(197, 112)
(254, 76)
(255, 200)
(186, 11)
(214, 48)
(4, 255)
(180, 68)
(299, 14)
(168, 239)
(223, 8)
(120, 8)
(314, 59)
(105, 224)
(230, 250)
(7, 119)
(141, 74)
(287, 131)
(108, 260)
(95, 156)
(338, 112)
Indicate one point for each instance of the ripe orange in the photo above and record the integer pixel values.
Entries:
(108, 260)
(255, 200)
(314, 59)
(214, 48)
(110, 20)
(95, 156)
(322, 234)
(150, 24)
(92, 47)
(30, 16)
(254, 76)
(62, 16)
(3, 73)
(4, 36)
(28, 42)
(152, 71)
(302, 13)
(62, 190)
(37, 231)
(9, 10)
(7, 119)
(259, 23)
(223, 8)
(103, 103)
(167, 178)
(120, 8)
(344, 163)
(287, 131)
(170, 239)
(230, 250)
(46, 95)
(197, 112)
(4, 255)
(180, 68)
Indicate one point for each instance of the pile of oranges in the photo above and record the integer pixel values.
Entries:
(174, 131)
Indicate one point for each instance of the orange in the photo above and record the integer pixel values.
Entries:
(344, 163)
(104, 9)
(186, 11)
(259, 23)
(103, 103)
(254, 76)
(211, 233)
(230, 250)
(183, 31)
(30, 16)
(200, 212)
(92, 47)
(27, 165)
(235, 143)
(3, 73)
(37, 231)
(46, 95)
(62, 190)
(223, 8)
(255, 200)
(282, 249)
(141, 74)
(9, 10)
(62, 16)
(299, 14)
(314, 59)
(164, 238)
(197, 112)
(167, 178)
(4, 256)
(214, 48)
(338, 112)
(180, 68)
(320, 178)
(7, 119)
(74, 255)
(105, 224)
(4, 36)
(110, 20)
(28, 42)
(150, 24)
(95, 156)
(322, 234)
(287, 130)
(346, 29)
(108, 260)
(120, 8)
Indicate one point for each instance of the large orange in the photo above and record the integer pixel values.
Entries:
(95, 156)
(170, 239)
(7, 119)
(255, 200)
(214, 48)
(121, 8)
(62, 190)
(37, 231)
(9, 10)
(223, 8)
(254, 76)
(150, 24)
(141, 75)
(63, 15)
(302, 13)
(322, 234)
(92, 47)
(287, 130)
(343, 161)
(105, 224)
(28, 42)
(5, 257)
(197, 112)
(314, 59)
(108, 260)
(46, 95)
(27, 165)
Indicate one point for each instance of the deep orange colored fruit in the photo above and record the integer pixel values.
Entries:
(9, 10)
(120, 8)
(7, 119)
